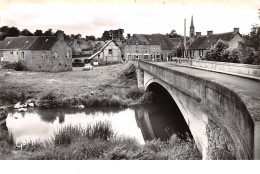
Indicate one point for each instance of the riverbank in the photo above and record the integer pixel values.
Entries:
(113, 85)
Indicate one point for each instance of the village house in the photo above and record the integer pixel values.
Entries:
(108, 53)
(38, 53)
(201, 44)
(197, 45)
(148, 47)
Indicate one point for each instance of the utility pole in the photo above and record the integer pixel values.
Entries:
(184, 38)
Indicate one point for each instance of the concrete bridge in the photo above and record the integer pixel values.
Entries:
(221, 110)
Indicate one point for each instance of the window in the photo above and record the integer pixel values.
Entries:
(146, 57)
(109, 51)
(22, 55)
(17, 53)
(11, 53)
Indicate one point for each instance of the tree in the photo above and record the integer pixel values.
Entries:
(26, 32)
(217, 53)
(38, 33)
(173, 34)
(13, 32)
(91, 38)
(253, 38)
(48, 32)
(9, 32)
(113, 34)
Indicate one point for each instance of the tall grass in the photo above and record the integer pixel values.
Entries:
(70, 134)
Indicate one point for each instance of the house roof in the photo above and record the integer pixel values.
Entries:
(102, 48)
(205, 42)
(153, 39)
(28, 43)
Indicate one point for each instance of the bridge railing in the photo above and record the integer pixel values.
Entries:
(224, 67)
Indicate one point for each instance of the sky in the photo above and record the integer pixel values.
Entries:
(93, 17)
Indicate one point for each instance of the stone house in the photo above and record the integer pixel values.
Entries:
(108, 53)
(38, 53)
(148, 47)
(201, 44)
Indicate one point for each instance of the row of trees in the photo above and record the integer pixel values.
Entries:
(13, 32)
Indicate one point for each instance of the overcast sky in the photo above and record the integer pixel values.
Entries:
(92, 17)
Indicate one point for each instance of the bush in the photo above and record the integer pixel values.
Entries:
(135, 93)
(235, 56)
(18, 66)
(49, 100)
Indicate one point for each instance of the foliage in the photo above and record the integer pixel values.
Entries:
(173, 34)
(242, 54)
(253, 38)
(113, 34)
(91, 38)
(38, 33)
(215, 54)
(26, 32)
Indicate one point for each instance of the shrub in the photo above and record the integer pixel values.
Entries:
(135, 93)
(235, 56)
(18, 66)
(49, 99)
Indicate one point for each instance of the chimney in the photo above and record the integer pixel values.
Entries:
(198, 34)
(61, 35)
(128, 35)
(236, 30)
(209, 32)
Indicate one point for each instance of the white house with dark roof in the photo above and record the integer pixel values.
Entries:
(201, 44)
(38, 53)
(108, 53)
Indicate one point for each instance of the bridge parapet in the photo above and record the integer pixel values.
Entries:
(200, 97)
(244, 70)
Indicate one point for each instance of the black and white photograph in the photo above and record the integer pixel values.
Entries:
(146, 80)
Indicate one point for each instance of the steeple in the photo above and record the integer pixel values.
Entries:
(192, 30)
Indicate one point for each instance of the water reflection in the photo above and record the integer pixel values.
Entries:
(161, 123)
(142, 123)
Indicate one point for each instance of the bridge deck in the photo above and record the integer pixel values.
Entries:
(247, 89)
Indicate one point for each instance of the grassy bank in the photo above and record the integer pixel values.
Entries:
(98, 142)
(113, 85)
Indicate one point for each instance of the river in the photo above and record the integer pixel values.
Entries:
(143, 123)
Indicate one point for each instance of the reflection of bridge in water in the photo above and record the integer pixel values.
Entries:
(159, 123)
(218, 108)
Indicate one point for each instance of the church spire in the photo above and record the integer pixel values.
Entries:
(192, 30)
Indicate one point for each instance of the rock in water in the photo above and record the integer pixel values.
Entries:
(22, 109)
(81, 106)
(31, 104)
(17, 105)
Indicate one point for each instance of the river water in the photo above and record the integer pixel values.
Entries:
(142, 123)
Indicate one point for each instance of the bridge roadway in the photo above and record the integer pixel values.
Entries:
(247, 89)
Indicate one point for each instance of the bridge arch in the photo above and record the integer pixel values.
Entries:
(198, 133)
